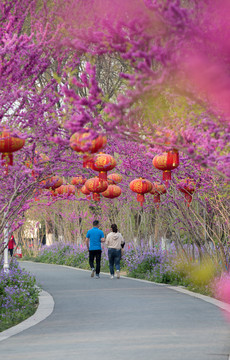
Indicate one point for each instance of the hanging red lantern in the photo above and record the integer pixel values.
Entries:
(83, 143)
(65, 190)
(112, 192)
(167, 161)
(88, 161)
(9, 143)
(114, 179)
(78, 181)
(52, 183)
(187, 187)
(141, 187)
(103, 163)
(86, 192)
(96, 186)
(158, 190)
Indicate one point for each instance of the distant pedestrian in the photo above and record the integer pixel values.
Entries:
(115, 243)
(11, 245)
(94, 238)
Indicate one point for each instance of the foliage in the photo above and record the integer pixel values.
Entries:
(18, 296)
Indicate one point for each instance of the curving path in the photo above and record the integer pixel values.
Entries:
(118, 320)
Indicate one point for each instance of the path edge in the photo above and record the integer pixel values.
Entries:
(45, 309)
(222, 305)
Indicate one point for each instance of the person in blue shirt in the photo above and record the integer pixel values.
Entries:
(94, 238)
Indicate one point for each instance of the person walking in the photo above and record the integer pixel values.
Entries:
(94, 238)
(11, 245)
(114, 242)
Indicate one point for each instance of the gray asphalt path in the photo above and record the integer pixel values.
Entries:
(118, 320)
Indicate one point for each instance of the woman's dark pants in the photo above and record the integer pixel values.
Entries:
(114, 259)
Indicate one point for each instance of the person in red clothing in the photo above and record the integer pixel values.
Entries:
(11, 245)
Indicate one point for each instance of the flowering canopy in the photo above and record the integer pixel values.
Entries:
(162, 85)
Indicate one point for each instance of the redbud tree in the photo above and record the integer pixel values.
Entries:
(151, 75)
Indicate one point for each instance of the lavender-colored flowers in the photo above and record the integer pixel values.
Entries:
(18, 295)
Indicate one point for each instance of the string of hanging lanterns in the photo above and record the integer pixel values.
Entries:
(107, 185)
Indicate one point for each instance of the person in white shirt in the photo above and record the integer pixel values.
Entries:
(114, 242)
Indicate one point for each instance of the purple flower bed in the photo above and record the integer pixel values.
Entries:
(18, 296)
(143, 262)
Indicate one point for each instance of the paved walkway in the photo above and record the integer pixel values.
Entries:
(118, 320)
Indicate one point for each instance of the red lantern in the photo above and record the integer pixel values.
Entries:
(167, 161)
(78, 181)
(65, 190)
(103, 163)
(96, 186)
(88, 161)
(54, 182)
(112, 192)
(86, 192)
(187, 187)
(141, 187)
(8, 144)
(83, 143)
(114, 178)
(157, 190)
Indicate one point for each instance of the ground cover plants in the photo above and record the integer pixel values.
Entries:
(18, 296)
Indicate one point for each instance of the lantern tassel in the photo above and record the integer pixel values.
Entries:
(7, 159)
(103, 175)
(188, 198)
(140, 199)
(167, 175)
(96, 197)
